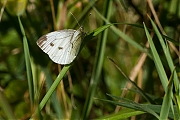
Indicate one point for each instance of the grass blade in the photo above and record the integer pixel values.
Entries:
(54, 86)
(97, 66)
(170, 62)
(167, 101)
(133, 83)
(167, 55)
(157, 61)
(124, 114)
(28, 62)
(54, 100)
(122, 35)
(136, 106)
(94, 33)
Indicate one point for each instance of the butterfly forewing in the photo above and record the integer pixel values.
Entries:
(62, 46)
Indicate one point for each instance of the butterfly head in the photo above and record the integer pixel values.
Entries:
(81, 29)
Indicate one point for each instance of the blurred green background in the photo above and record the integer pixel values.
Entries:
(40, 17)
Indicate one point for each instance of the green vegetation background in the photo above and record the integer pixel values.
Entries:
(92, 77)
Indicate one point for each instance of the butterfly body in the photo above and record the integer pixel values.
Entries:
(62, 46)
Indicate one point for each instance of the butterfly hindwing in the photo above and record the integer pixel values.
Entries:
(61, 46)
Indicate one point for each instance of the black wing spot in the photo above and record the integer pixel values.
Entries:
(60, 48)
(51, 44)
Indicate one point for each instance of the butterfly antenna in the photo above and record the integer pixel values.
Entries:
(86, 18)
(75, 19)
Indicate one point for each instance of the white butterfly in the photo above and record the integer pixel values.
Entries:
(62, 46)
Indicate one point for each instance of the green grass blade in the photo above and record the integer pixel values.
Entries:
(167, 101)
(141, 26)
(140, 91)
(157, 61)
(94, 33)
(97, 66)
(54, 101)
(171, 40)
(168, 58)
(167, 55)
(123, 114)
(131, 104)
(123, 35)
(178, 103)
(28, 62)
(52, 88)
(152, 109)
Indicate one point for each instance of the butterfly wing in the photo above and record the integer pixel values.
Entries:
(76, 43)
(61, 46)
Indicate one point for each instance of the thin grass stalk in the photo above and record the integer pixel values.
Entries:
(54, 100)
(52, 88)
